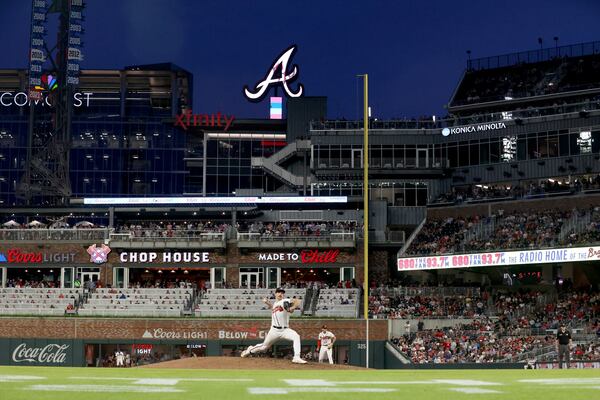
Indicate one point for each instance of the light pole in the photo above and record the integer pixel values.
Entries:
(366, 212)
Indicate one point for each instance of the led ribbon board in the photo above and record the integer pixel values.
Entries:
(215, 201)
(500, 258)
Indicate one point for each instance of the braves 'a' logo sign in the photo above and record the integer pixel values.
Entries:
(270, 79)
(98, 255)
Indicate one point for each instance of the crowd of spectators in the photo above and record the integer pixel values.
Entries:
(556, 75)
(590, 233)
(532, 229)
(522, 230)
(524, 190)
(440, 236)
(401, 307)
(162, 284)
(475, 343)
(516, 303)
(171, 229)
(483, 341)
(309, 228)
(24, 283)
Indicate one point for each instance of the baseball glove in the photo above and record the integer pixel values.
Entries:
(287, 305)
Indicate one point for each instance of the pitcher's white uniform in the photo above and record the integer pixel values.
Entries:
(280, 330)
(326, 340)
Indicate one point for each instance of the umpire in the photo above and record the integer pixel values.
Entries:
(563, 342)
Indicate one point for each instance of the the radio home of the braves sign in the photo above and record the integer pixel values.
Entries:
(500, 258)
(166, 257)
(49, 354)
(286, 77)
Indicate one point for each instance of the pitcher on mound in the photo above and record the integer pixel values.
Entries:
(280, 329)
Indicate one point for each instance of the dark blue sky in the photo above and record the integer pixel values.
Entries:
(414, 51)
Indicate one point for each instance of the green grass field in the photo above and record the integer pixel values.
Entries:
(28, 383)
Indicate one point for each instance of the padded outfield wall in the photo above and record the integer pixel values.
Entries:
(70, 341)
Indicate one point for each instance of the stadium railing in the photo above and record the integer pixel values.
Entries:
(538, 114)
(331, 239)
(36, 235)
(179, 239)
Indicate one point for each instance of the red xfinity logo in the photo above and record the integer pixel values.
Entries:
(187, 119)
(316, 257)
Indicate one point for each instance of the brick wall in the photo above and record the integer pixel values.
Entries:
(105, 328)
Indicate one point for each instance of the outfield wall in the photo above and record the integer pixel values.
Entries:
(82, 341)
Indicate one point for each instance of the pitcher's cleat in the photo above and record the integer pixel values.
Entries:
(245, 353)
(298, 360)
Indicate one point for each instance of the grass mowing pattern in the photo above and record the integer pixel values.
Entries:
(16, 383)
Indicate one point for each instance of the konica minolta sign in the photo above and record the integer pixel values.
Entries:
(473, 128)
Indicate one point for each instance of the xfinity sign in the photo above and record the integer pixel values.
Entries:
(473, 128)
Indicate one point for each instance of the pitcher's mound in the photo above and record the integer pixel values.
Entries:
(242, 363)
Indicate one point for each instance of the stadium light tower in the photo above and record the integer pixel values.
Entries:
(366, 212)
(47, 165)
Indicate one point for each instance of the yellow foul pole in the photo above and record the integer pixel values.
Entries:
(366, 212)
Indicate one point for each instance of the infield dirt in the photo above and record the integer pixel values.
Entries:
(244, 363)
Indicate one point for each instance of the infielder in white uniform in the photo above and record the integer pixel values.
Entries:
(280, 329)
(326, 341)
(120, 358)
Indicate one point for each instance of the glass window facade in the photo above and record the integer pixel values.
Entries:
(229, 166)
(399, 194)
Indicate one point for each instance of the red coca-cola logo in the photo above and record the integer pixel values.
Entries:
(17, 256)
(317, 257)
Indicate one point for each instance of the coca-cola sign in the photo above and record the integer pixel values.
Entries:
(50, 354)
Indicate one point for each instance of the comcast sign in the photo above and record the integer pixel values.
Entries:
(22, 99)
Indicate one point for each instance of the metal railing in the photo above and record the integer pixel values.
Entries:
(331, 236)
(36, 235)
(430, 127)
(201, 236)
(427, 291)
(534, 56)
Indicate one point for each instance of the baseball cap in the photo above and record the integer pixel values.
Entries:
(280, 290)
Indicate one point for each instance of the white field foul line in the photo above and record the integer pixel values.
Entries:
(19, 378)
(563, 381)
(91, 378)
(265, 390)
(473, 390)
(100, 388)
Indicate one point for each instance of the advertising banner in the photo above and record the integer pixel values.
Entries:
(500, 258)
(41, 352)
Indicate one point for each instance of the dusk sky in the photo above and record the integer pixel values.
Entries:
(413, 51)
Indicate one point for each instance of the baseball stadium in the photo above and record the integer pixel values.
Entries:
(153, 249)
